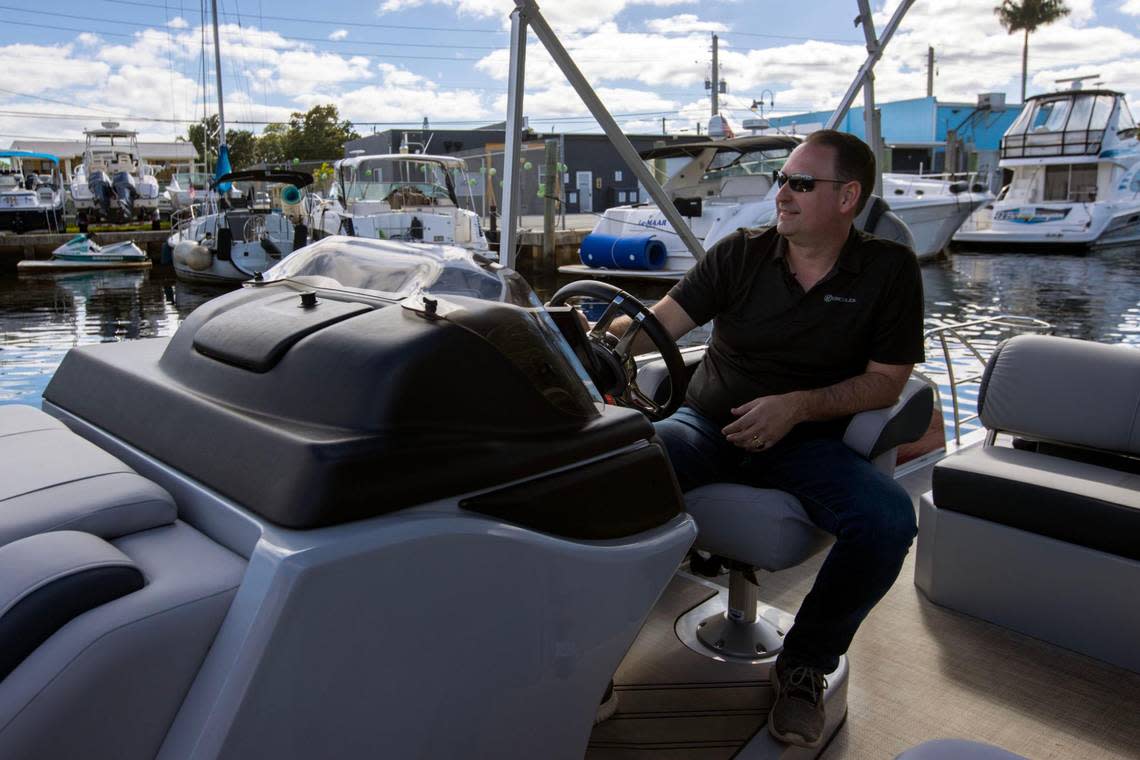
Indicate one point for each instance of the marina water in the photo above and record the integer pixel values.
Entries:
(1094, 297)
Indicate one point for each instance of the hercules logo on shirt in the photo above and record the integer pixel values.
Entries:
(841, 299)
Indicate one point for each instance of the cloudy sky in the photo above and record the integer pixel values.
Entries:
(68, 64)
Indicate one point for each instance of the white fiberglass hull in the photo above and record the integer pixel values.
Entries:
(933, 221)
(1053, 225)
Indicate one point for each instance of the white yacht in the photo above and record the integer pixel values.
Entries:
(1075, 160)
(29, 200)
(723, 185)
(402, 196)
(231, 239)
(114, 183)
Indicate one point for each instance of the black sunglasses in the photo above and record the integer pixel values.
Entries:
(802, 183)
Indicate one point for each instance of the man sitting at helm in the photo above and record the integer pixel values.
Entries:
(814, 321)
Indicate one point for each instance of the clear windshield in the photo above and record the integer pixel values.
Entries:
(421, 182)
(756, 162)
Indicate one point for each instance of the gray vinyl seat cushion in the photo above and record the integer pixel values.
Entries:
(52, 479)
(109, 683)
(1071, 501)
(762, 527)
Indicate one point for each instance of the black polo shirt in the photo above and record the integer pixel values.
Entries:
(770, 337)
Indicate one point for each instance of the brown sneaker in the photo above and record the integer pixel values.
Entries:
(797, 715)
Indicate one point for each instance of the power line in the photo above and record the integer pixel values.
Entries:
(345, 23)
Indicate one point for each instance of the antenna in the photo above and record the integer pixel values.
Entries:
(1076, 81)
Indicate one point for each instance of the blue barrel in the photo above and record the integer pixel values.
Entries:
(644, 252)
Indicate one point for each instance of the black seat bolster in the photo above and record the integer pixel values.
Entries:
(49, 579)
(1076, 502)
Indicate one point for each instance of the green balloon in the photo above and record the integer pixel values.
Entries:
(471, 182)
(482, 169)
(541, 191)
(528, 165)
(493, 171)
(296, 161)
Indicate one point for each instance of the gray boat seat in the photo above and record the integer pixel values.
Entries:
(769, 529)
(878, 219)
(108, 602)
(1053, 523)
(51, 479)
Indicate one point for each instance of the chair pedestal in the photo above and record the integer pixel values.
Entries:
(739, 632)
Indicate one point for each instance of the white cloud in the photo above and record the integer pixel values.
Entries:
(402, 96)
(178, 23)
(563, 16)
(339, 34)
(1131, 7)
(686, 23)
(88, 39)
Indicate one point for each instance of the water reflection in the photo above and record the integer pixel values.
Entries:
(42, 316)
(1096, 297)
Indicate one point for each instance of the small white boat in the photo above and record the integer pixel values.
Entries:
(114, 183)
(83, 248)
(414, 198)
(238, 238)
(29, 200)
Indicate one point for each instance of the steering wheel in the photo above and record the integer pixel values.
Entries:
(614, 356)
(254, 228)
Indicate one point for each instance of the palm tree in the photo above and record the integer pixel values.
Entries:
(1027, 16)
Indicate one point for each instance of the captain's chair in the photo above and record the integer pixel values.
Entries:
(755, 528)
(761, 528)
(878, 219)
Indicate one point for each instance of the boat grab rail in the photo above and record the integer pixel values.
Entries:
(946, 333)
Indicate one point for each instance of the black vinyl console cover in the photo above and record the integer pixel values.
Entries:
(361, 414)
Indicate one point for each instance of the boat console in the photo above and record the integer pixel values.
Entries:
(385, 517)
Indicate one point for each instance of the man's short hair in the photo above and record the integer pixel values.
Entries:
(854, 161)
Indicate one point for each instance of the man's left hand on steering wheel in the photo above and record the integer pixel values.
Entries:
(616, 375)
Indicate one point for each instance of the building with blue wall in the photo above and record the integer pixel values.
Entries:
(915, 132)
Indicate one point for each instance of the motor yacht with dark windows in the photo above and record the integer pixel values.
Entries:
(1075, 163)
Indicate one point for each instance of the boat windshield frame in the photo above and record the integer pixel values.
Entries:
(738, 163)
(1043, 129)
(354, 188)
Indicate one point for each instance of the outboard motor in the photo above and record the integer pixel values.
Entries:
(100, 186)
(126, 192)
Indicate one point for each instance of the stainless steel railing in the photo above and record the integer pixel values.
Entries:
(954, 339)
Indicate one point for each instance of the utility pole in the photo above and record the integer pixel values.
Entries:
(549, 195)
(663, 126)
(715, 85)
(930, 72)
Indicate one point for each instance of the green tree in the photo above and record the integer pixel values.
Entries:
(242, 143)
(272, 146)
(1026, 16)
(318, 133)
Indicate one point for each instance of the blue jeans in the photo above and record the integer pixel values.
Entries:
(871, 517)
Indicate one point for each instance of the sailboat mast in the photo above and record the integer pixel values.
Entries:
(218, 71)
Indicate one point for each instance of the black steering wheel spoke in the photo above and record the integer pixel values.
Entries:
(618, 352)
